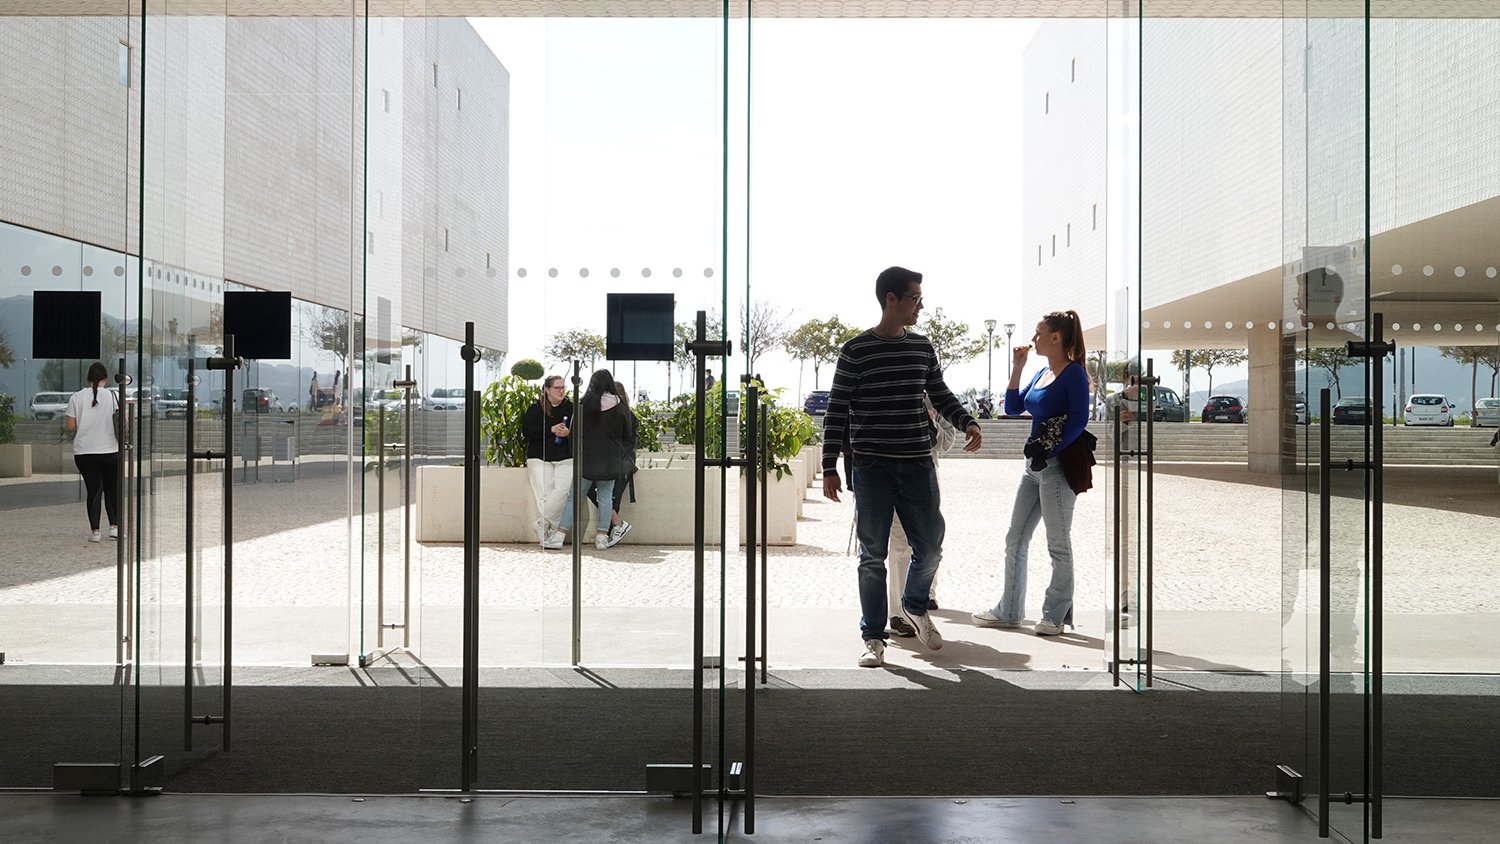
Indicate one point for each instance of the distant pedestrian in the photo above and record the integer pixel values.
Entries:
(875, 409)
(549, 457)
(708, 380)
(312, 393)
(1058, 400)
(602, 428)
(618, 527)
(96, 448)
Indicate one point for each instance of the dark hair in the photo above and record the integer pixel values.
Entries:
(1068, 324)
(602, 382)
(97, 375)
(624, 395)
(543, 400)
(894, 280)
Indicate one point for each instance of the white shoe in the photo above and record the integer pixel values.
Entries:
(874, 655)
(95, 536)
(554, 540)
(987, 618)
(1048, 628)
(926, 633)
(114, 531)
(601, 541)
(542, 529)
(618, 532)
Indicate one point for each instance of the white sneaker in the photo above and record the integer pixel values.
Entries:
(874, 655)
(1048, 628)
(95, 536)
(543, 530)
(114, 531)
(554, 540)
(926, 633)
(601, 541)
(618, 532)
(987, 618)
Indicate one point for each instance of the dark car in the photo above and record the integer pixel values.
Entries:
(260, 401)
(1224, 409)
(817, 403)
(1352, 411)
(1167, 406)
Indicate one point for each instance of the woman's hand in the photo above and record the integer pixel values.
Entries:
(1018, 357)
(560, 430)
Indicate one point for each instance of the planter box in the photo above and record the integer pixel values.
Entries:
(52, 458)
(15, 460)
(782, 504)
(660, 516)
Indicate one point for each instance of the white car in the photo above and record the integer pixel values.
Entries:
(445, 398)
(172, 403)
(46, 406)
(1429, 409)
(1486, 413)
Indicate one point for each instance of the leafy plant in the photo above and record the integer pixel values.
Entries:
(713, 421)
(7, 419)
(788, 428)
(501, 407)
(651, 417)
(527, 368)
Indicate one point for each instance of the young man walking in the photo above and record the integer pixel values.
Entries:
(875, 412)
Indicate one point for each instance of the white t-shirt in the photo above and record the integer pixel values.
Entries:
(96, 423)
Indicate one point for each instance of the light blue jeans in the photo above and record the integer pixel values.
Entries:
(606, 491)
(1042, 497)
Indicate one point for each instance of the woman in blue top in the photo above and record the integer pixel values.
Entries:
(1058, 400)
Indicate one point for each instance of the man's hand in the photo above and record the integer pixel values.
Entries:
(972, 437)
(831, 486)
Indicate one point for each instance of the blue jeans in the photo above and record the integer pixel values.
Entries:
(909, 489)
(606, 491)
(1046, 497)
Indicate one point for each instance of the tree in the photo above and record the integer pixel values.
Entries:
(528, 369)
(1330, 359)
(818, 341)
(575, 344)
(7, 357)
(330, 332)
(1473, 356)
(950, 339)
(762, 328)
(685, 332)
(1207, 359)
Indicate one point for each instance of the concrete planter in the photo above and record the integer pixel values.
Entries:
(52, 458)
(661, 514)
(782, 503)
(15, 460)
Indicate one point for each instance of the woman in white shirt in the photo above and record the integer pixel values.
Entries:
(96, 449)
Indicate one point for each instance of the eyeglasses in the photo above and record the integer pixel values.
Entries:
(557, 387)
(915, 297)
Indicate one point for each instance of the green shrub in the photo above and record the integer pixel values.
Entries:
(528, 369)
(501, 407)
(7, 419)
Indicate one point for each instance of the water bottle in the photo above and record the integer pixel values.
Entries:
(556, 440)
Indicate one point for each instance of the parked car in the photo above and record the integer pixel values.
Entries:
(46, 406)
(1224, 409)
(171, 403)
(1169, 407)
(444, 398)
(1429, 409)
(1354, 410)
(1299, 408)
(817, 403)
(259, 400)
(1486, 413)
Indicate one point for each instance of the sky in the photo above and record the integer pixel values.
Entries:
(870, 143)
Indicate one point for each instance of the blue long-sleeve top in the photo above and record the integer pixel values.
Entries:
(1067, 394)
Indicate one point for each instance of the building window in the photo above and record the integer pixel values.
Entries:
(434, 74)
(460, 99)
(1054, 246)
(486, 260)
(445, 240)
(1038, 254)
(122, 59)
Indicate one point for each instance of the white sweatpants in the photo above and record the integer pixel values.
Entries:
(549, 484)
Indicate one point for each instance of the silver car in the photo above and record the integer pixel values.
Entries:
(1486, 413)
(46, 406)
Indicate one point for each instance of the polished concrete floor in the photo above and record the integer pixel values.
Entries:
(329, 819)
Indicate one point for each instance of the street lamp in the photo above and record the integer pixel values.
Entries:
(989, 359)
(1011, 362)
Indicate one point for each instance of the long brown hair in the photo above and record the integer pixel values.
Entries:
(97, 375)
(545, 402)
(1070, 326)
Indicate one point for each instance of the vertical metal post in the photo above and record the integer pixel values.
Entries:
(189, 544)
(575, 436)
(123, 595)
(380, 529)
(1377, 579)
(1119, 555)
(1145, 595)
(470, 762)
(231, 363)
(1325, 590)
(765, 486)
(754, 482)
(699, 488)
(406, 472)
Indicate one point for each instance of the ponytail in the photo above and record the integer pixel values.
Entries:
(1070, 326)
(97, 375)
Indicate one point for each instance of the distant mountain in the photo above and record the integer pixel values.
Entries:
(1434, 374)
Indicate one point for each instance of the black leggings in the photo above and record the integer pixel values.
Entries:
(101, 476)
